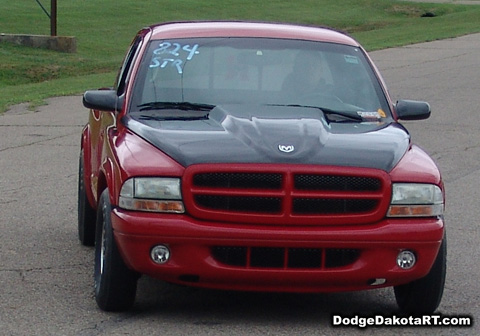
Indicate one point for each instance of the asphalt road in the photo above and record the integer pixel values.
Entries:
(46, 275)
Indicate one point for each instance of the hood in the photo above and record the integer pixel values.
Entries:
(274, 134)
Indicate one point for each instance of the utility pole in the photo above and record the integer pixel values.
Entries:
(52, 15)
(53, 18)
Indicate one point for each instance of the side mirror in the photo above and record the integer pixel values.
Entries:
(412, 110)
(103, 100)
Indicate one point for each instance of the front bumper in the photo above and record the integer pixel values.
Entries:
(193, 262)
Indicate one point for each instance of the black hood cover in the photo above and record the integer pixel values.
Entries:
(274, 134)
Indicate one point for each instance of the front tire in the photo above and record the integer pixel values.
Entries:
(424, 295)
(115, 283)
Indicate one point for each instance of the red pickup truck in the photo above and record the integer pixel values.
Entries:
(258, 157)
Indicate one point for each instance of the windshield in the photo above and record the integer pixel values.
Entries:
(217, 71)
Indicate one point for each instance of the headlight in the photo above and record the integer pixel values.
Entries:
(155, 194)
(416, 200)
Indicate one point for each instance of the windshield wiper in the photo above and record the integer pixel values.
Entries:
(352, 115)
(345, 114)
(184, 106)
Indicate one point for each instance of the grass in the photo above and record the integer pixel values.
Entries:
(105, 28)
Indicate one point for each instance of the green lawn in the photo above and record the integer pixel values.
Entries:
(105, 28)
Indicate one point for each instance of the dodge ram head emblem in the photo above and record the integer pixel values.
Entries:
(286, 148)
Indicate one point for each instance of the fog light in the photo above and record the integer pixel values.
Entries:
(406, 259)
(160, 254)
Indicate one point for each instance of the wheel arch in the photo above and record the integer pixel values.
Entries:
(85, 156)
(109, 177)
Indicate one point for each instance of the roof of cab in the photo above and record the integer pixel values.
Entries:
(248, 29)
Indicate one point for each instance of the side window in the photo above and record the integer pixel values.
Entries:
(124, 72)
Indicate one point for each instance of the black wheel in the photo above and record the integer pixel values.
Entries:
(424, 295)
(115, 283)
(86, 214)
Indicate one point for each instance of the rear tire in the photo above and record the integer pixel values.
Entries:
(115, 283)
(86, 214)
(424, 295)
